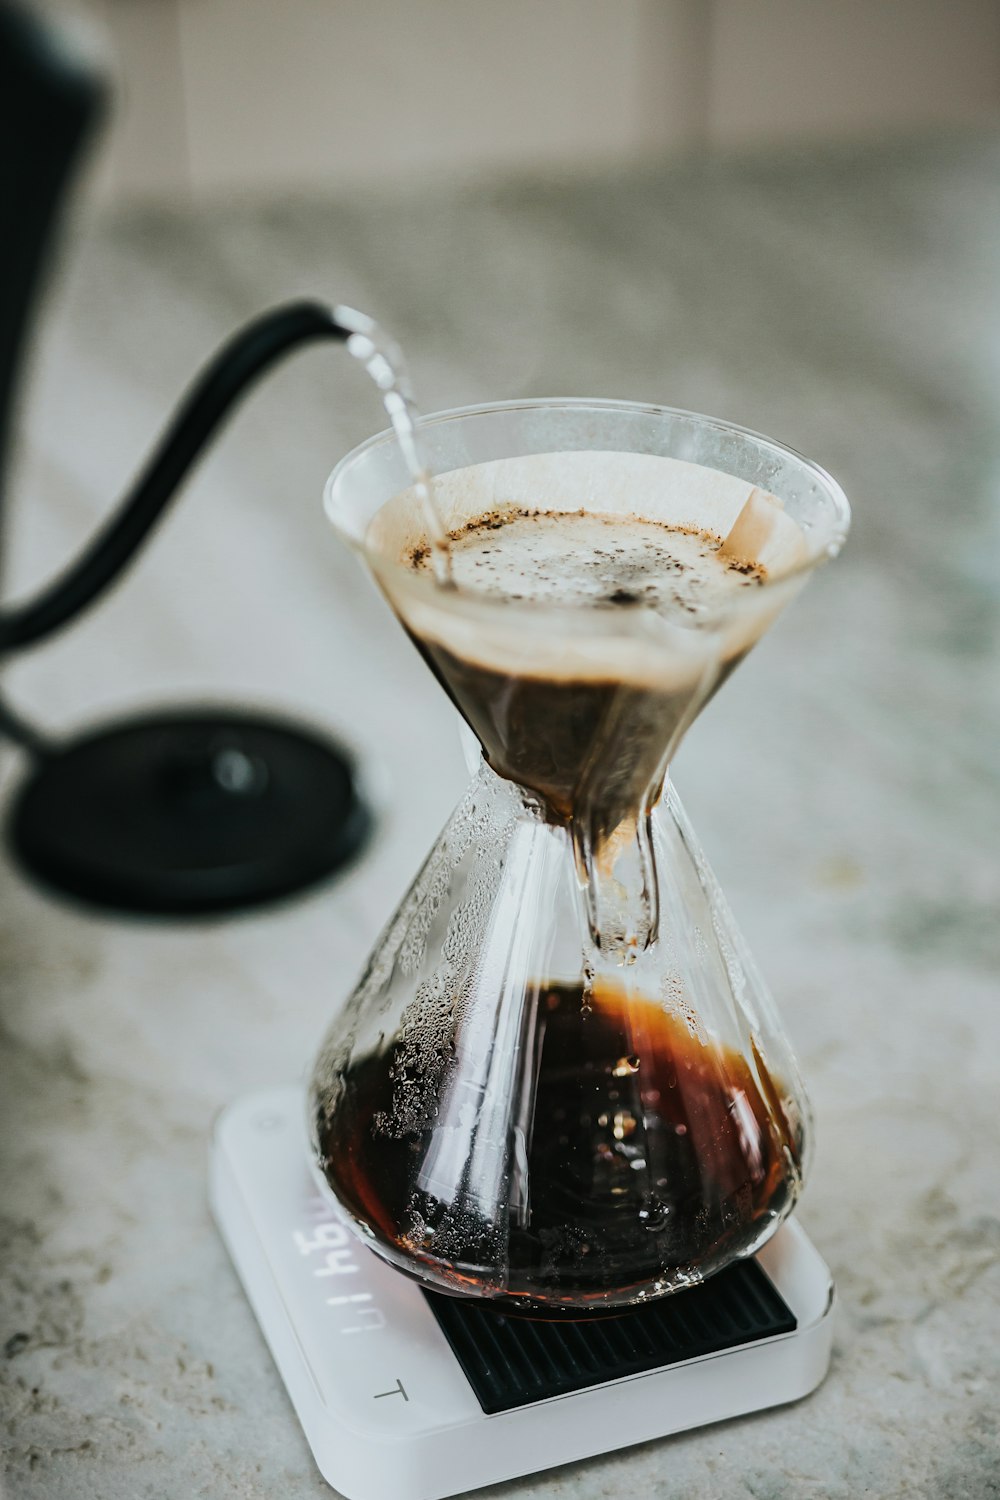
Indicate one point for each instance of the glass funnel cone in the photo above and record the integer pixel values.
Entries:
(561, 1082)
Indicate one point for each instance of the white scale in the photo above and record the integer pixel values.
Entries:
(385, 1404)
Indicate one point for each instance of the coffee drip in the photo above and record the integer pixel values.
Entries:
(561, 1083)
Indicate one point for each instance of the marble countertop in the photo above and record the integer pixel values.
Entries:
(845, 784)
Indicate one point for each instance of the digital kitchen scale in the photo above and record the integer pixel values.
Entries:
(409, 1395)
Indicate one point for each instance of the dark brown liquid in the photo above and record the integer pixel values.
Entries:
(586, 749)
(647, 1155)
(591, 749)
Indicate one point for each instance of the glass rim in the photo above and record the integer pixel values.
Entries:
(840, 503)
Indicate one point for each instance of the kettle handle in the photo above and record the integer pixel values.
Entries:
(51, 98)
(210, 399)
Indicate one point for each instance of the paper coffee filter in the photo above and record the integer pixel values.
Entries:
(576, 642)
(670, 491)
(508, 640)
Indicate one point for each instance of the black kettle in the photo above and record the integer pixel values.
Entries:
(190, 810)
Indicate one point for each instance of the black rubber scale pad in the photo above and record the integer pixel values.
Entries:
(514, 1361)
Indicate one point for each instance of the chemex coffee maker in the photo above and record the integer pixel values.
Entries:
(534, 1203)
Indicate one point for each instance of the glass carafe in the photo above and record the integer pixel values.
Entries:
(561, 1082)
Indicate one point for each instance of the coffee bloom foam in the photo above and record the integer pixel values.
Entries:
(544, 544)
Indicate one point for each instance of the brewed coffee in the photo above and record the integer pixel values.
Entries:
(650, 1156)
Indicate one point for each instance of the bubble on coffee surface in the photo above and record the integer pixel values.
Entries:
(596, 560)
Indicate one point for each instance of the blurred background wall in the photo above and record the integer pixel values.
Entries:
(259, 95)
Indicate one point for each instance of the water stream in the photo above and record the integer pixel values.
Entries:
(383, 359)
